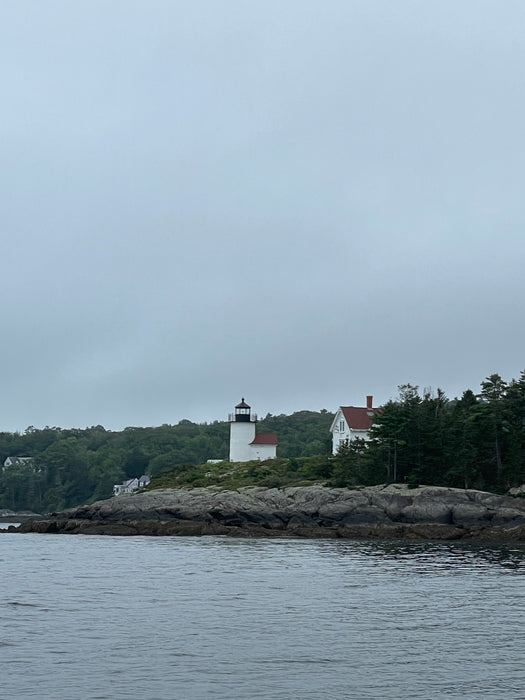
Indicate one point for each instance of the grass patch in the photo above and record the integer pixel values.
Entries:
(270, 473)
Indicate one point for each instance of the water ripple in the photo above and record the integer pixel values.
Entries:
(158, 618)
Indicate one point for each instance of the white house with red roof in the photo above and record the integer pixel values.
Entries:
(245, 443)
(352, 422)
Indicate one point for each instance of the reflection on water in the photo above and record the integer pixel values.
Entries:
(449, 556)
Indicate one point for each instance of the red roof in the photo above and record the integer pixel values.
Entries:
(358, 418)
(265, 439)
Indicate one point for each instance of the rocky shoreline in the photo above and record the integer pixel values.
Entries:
(377, 512)
(13, 516)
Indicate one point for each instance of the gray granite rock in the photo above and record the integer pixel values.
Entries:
(311, 511)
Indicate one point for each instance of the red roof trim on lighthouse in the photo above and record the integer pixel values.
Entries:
(265, 439)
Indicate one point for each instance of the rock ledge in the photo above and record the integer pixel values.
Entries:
(381, 512)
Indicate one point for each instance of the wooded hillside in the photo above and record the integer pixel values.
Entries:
(72, 466)
(476, 441)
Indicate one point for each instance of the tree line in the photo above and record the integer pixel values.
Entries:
(73, 466)
(476, 441)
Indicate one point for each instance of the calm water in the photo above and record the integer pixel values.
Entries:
(94, 618)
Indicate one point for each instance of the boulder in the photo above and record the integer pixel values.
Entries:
(471, 514)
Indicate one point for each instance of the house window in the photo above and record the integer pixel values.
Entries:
(341, 425)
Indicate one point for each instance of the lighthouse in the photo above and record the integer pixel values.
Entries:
(242, 433)
(245, 443)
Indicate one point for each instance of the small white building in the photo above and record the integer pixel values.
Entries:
(131, 485)
(352, 422)
(17, 462)
(245, 443)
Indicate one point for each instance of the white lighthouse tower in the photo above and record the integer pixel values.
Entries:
(245, 442)
(242, 433)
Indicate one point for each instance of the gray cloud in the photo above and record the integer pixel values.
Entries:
(297, 202)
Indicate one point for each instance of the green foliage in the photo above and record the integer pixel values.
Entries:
(476, 441)
(472, 442)
(350, 467)
(303, 434)
(75, 466)
(271, 473)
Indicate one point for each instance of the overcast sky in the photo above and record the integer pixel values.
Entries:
(300, 202)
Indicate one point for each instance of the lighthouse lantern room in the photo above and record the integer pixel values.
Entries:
(243, 413)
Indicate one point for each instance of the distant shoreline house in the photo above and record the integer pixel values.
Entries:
(131, 485)
(352, 422)
(17, 462)
(245, 443)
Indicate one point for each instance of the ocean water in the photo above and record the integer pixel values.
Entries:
(100, 618)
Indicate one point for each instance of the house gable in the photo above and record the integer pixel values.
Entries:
(19, 462)
(351, 422)
(131, 485)
(336, 423)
